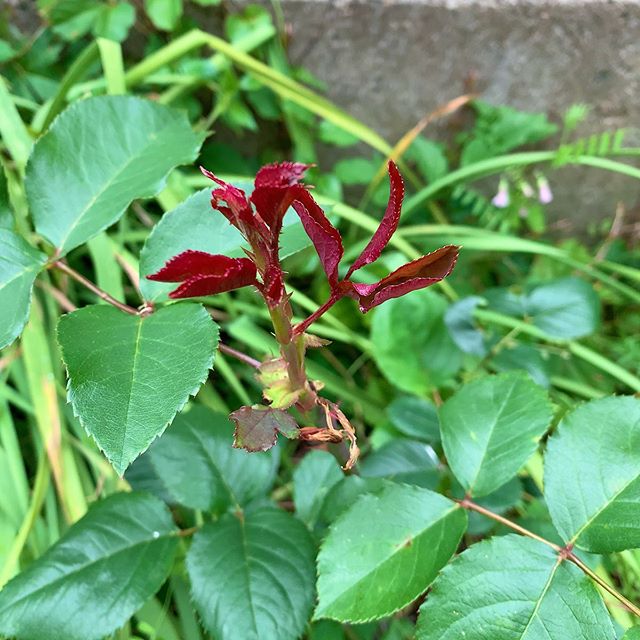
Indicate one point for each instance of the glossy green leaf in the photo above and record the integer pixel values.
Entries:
(412, 346)
(98, 156)
(415, 418)
(632, 634)
(403, 461)
(252, 576)
(129, 375)
(194, 225)
(513, 588)
(96, 576)
(383, 552)
(19, 266)
(491, 427)
(202, 470)
(313, 478)
(592, 475)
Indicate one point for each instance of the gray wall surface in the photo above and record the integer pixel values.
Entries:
(389, 62)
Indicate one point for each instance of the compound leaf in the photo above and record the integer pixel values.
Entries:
(592, 475)
(513, 588)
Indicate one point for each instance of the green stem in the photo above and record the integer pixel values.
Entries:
(40, 487)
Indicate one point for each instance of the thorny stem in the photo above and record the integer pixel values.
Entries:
(301, 327)
(565, 553)
(103, 295)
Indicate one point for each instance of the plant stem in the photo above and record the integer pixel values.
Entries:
(466, 503)
(601, 583)
(103, 295)
(301, 327)
(239, 355)
(565, 552)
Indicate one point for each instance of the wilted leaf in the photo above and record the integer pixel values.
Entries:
(257, 427)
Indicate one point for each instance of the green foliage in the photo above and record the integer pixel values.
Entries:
(363, 576)
(19, 266)
(313, 478)
(510, 588)
(111, 570)
(596, 510)
(115, 359)
(566, 308)
(128, 155)
(412, 345)
(217, 476)
(491, 427)
(266, 557)
(499, 129)
(452, 456)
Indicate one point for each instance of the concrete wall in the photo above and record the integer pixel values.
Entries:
(388, 62)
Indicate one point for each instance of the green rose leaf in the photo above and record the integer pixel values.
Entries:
(592, 475)
(129, 375)
(98, 156)
(403, 461)
(415, 418)
(513, 588)
(491, 427)
(193, 224)
(313, 478)
(412, 345)
(252, 575)
(19, 266)
(102, 570)
(367, 566)
(567, 308)
(201, 469)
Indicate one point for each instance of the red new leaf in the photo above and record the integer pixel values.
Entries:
(415, 275)
(279, 175)
(276, 186)
(204, 274)
(323, 234)
(388, 225)
(233, 204)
